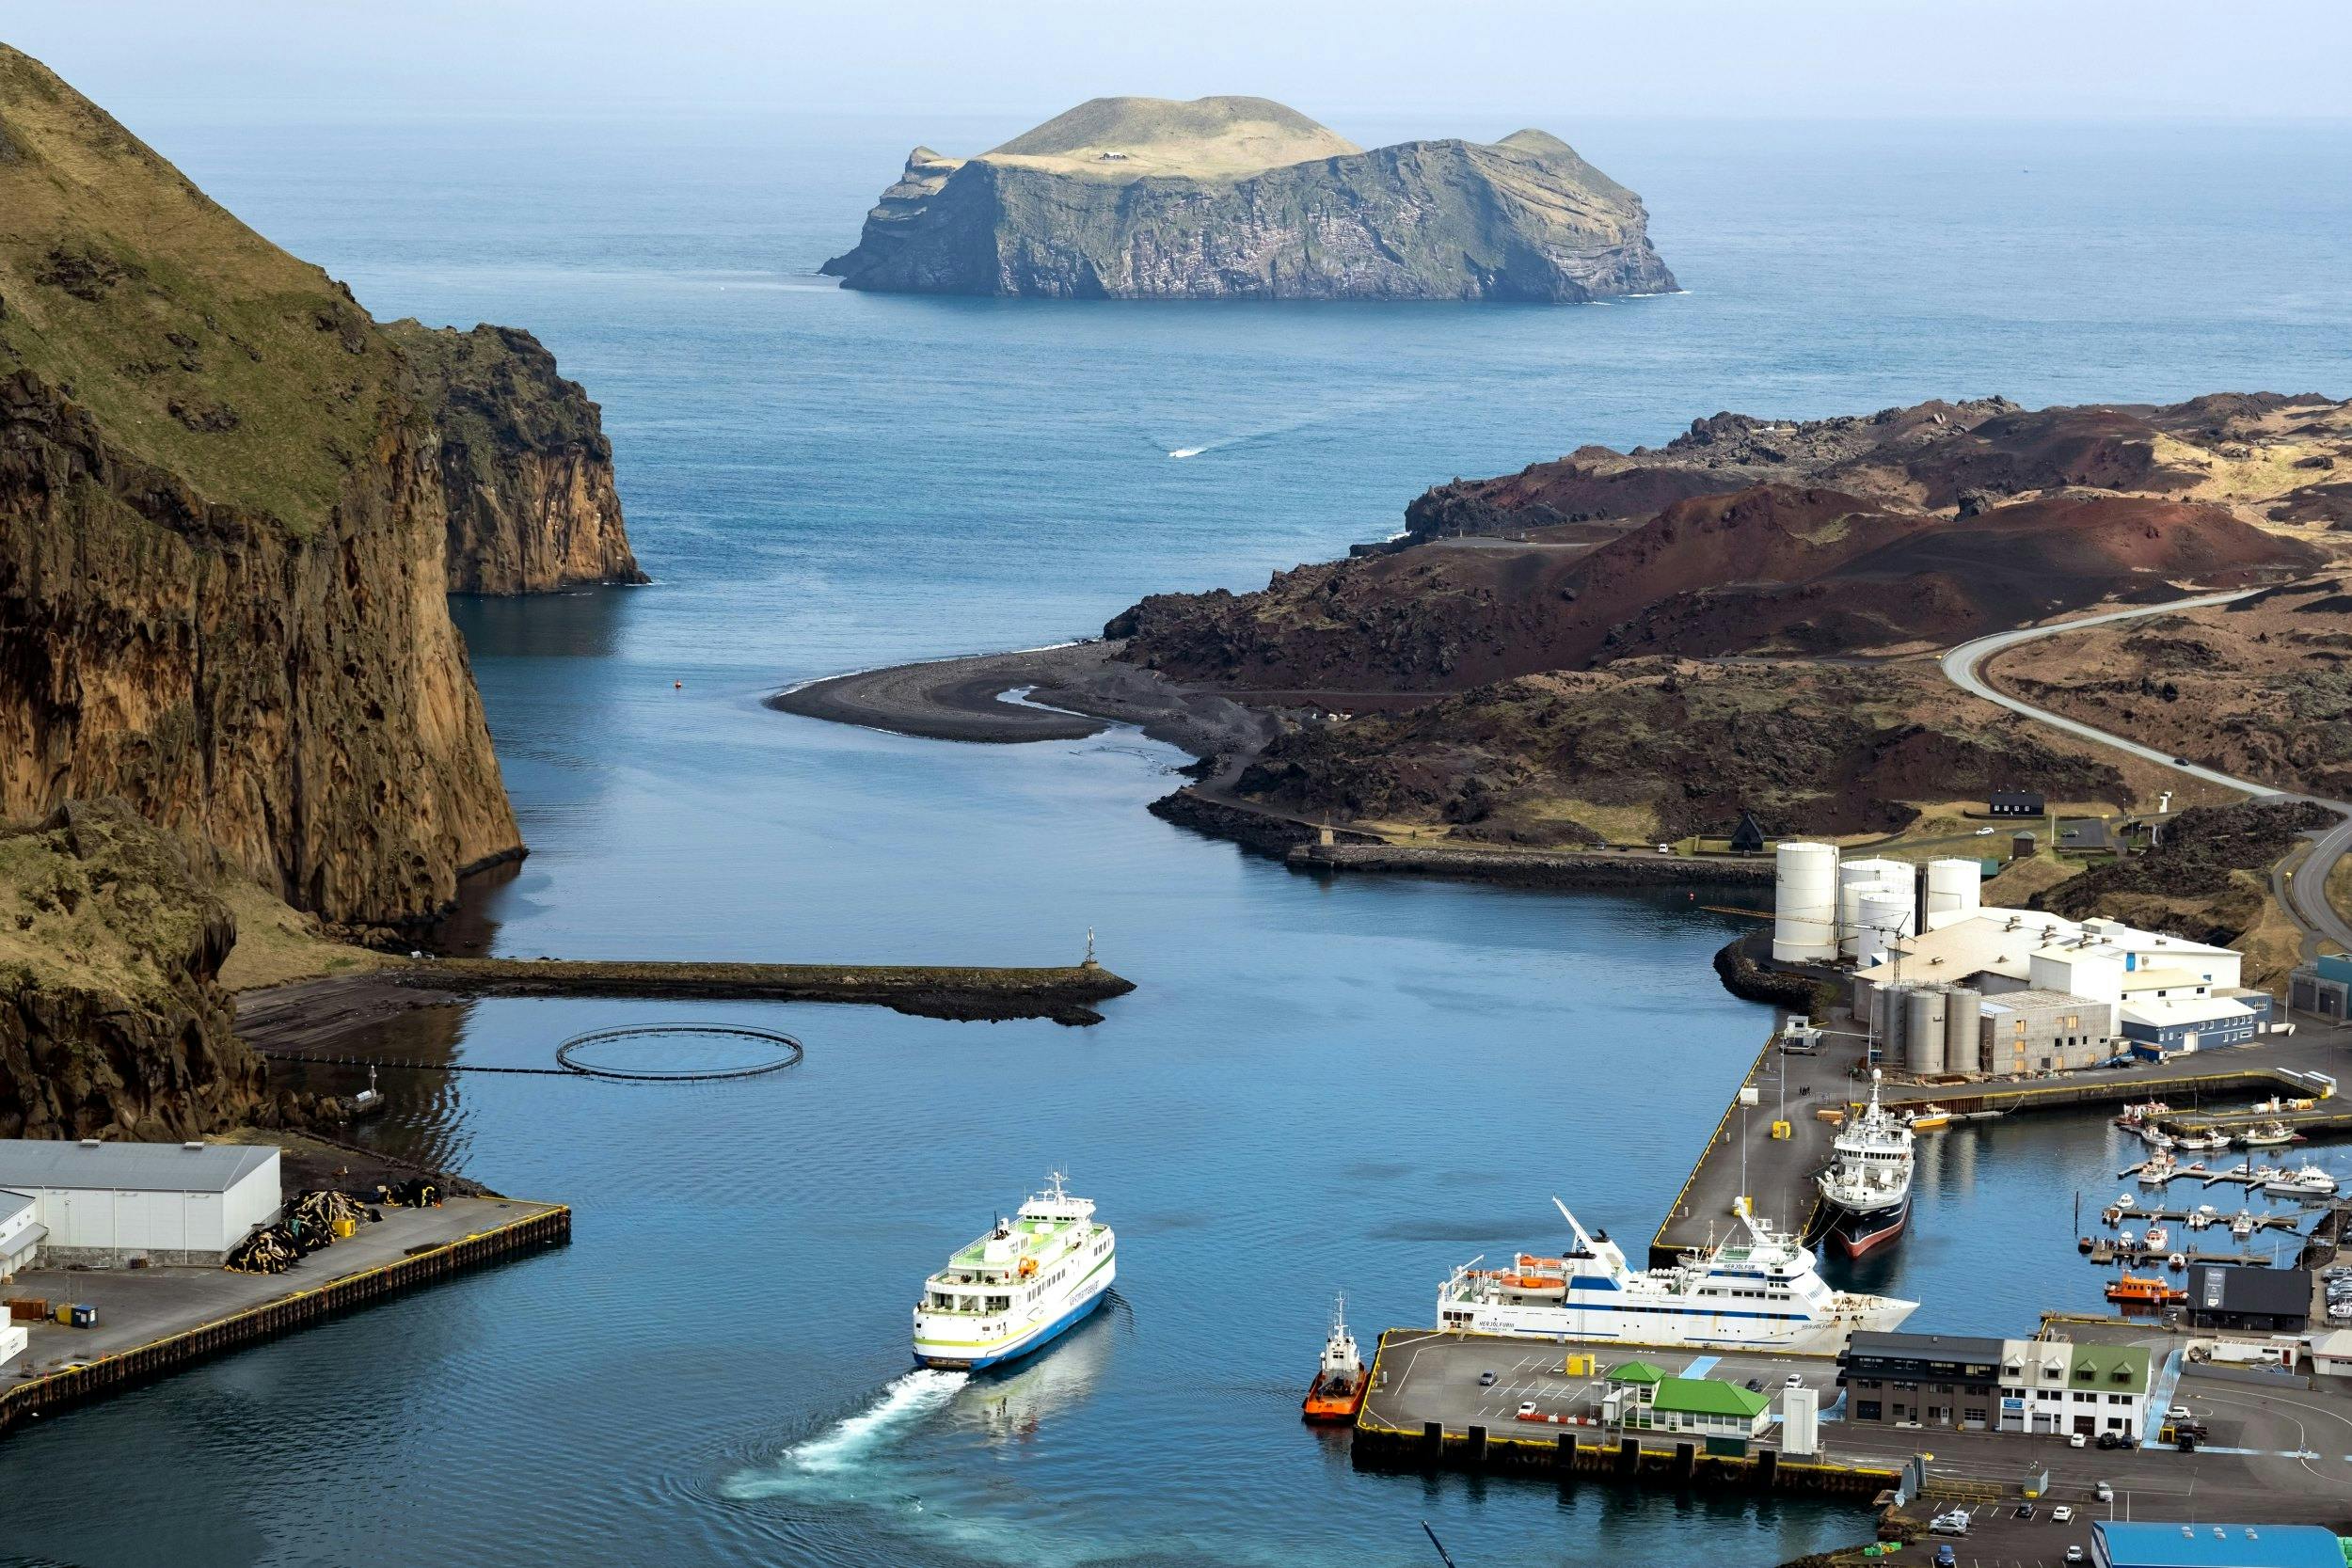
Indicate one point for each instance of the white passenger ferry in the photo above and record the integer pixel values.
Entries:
(1015, 1289)
(1762, 1291)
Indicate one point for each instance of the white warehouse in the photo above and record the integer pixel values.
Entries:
(104, 1204)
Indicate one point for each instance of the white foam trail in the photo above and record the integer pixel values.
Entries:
(1187, 452)
(916, 1394)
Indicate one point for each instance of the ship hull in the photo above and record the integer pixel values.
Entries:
(1857, 1232)
(1332, 1405)
(950, 1356)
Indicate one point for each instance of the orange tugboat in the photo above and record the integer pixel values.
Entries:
(2133, 1291)
(1339, 1383)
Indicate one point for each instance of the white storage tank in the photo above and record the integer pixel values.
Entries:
(1963, 1010)
(1923, 1031)
(1881, 917)
(1804, 903)
(1860, 880)
(1954, 891)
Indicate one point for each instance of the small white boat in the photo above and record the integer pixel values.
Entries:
(2159, 1170)
(2128, 1240)
(2269, 1135)
(2201, 1216)
(2242, 1225)
(2126, 1202)
(2305, 1181)
(2156, 1238)
(2176, 1261)
(2155, 1137)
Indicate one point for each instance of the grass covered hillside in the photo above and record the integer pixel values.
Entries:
(250, 374)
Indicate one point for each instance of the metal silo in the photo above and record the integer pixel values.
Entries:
(1923, 1031)
(1880, 916)
(1804, 903)
(1887, 1021)
(1963, 1008)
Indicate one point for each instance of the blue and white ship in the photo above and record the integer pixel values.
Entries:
(1014, 1290)
(1761, 1291)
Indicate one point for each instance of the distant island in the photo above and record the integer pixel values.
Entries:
(1245, 198)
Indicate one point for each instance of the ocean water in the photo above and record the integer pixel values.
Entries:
(1317, 1085)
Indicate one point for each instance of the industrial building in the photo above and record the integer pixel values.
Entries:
(21, 1234)
(104, 1204)
(2323, 987)
(2121, 1544)
(2272, 1301)
(2032, 1387)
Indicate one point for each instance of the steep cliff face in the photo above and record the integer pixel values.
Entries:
(111, 1018)
(1136, 207)
(525, 466)
(222, 537)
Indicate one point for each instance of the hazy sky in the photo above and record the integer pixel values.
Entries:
(1738, 59)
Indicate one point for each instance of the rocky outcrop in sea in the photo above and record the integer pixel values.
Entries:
(1139, 198)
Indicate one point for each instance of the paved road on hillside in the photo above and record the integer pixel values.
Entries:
(2304, 895)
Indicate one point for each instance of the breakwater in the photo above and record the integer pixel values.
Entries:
(1065, 993)
(301, 1307)
(1545, 868)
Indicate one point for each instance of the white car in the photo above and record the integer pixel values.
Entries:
(2061, 1515)
(1794, 1379)
(1527, 1408)
(2180, 1413)
(1984, 833)
(2074, 1440)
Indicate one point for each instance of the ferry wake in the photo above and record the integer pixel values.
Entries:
(1014, 1290)
(1759, 1292)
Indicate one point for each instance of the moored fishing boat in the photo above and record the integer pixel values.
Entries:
(1865, 1192)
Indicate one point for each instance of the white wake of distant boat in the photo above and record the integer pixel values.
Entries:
(1187, 452)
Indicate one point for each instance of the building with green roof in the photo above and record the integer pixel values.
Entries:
(1717, 1409)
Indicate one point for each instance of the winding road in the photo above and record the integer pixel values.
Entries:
(2302, 893)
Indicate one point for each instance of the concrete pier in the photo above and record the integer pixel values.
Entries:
(153, 1321)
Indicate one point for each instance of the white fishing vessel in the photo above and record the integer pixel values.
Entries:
(2269, 1135)
(1865, 1192)
(1760, 1290)
(1015, 1289)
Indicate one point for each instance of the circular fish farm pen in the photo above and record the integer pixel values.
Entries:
(763, 1051)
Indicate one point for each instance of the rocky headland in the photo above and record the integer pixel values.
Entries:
(231, 506)
(1245, 198)
(1618, 648)
(526, 470)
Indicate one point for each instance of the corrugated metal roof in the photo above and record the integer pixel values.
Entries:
(152, 1167)
(11, 1205)
(2113, 1368)
(1704, 1396)
(2142, 1545)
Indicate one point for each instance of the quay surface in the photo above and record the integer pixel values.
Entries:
(153, 1321)
(1780, 1171)
(2278, 1446)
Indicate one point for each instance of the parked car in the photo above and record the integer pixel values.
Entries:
(2075, 1440)
(2074, 1554)
(1946, 1556)
(1984, 833)
(2178, 1413)
(2061, 1515)
(1486, 1380)
(2103, 1493)
(1954, 1523)
(2025, 1510)
(1756, 1386)
(1794, 1379)
(2114, 1440)
(1527, 1408)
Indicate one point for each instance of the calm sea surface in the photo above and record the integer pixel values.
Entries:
(1317, 1085)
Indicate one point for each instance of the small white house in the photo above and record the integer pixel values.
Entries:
(103, 1204)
